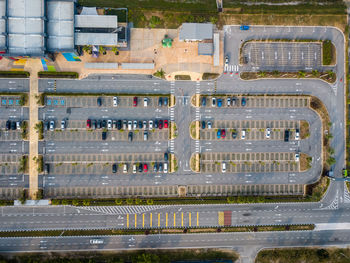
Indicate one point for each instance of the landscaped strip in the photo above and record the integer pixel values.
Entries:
(156, 231)
(14, 74)
(328, 53)
(58, 75)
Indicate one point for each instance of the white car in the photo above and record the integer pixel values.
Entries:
(96, 241)
(150, 124)
(134, 169)
(223, 167)
(63, 125)
(243, 134)
(115, 101)
(209, 125)
(18, 125)
(268, 133)
(52, 125)
(129, 125)
(125, 168)
(228, 102)
(109, 124)
(135, 125)
(297, 134)
(145, 102)
(296, 157)
(145, 125)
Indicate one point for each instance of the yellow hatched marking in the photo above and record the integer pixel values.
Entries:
(150, 219)
(174, 219)
(166, 219)
(221, 218)
(182, 219)
(127, 220)
(158, 219)
(189, 219)
(143, 220)
(135, 220)
(197, 219)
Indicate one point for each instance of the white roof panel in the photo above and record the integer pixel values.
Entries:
(90, 21)
(25, 25)
(101, 65)
(26, 44)
(216, 56)
(25, 8)
(2, 8)
(60, 10)
(104, 39)
(137, 65)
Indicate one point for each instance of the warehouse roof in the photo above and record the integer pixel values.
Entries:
(96, 21)
(104, 39)
(196, 31)
(205, 49)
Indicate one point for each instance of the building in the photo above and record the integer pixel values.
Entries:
(34, 28)
(196, 32)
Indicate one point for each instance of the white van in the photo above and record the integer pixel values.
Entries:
(145, 102)
(125, 168)
(165, 167)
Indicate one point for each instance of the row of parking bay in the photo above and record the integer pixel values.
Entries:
(10, 135)
(292, 55)
(9, 168)
(242, 157)
(10, 101)
(264, 101)
(106, 101)
(112, 135)
(250, 134)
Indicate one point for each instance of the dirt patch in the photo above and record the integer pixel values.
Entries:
(182, 77)
(305, 162)
(304, 129)
(209, 76)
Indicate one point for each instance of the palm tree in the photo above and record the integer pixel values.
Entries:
(102, 50)
(115, 50)
(87, 49)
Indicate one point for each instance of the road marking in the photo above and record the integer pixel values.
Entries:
(174, 219)
(197, 219)
(143, 220)
(189, 219)
(127, 220)
(166, 219)
(182, 218)
(135, 220)
(150, 219)
(158, 219)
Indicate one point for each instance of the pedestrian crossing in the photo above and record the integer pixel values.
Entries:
(122, 210)
(172, 114)
(171, 146)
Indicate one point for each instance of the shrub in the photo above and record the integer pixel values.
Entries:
(129, 201)
(150, 201)
(327, 52)
(56, 75)
(118, 201)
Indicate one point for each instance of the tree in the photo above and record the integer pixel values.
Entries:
(75, 202)
(115, 50)
(160, 73)
(147, 258)
(331, 161)
(155, 21)
(213, 20)
(87, 49)
(86, 202)
(102, 50)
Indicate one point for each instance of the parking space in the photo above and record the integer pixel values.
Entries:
(10, 101)
(248, 162)
(107, 101)
(254, 101)
(253, 130)
(283, 56)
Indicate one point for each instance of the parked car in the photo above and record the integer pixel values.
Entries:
(219, 103)
(218, 134)
(244, 101)
(234, 134)
(99, 101)
(145, 135)
(234, 101)
(114, 124)
(140, 125)
(115, 101)
(104, 124)
(165, 167)
(150, 124)
(209, 125)
(296, 157)
(160, 102)
(46, 125)
(155, 167)
(228, 102)
(160, 124)
(109, 124)
(156, 122)
(223, 167)
(243, 134)
(8, 125)
(125, 168)
(134, 169)
(114, 168)
(134, 125)
(213, 102)
(145, 102)
(160, 167)
(125, 124)
(297, 134)
(203, 124)
(145, 168)
(204, 101)
(18, 125)
(52, 125)
(63, 125)
(226, 60)
(119, 124)
(165, 101)
(244, 27)
(135, 102)
(268, 133)
(223, 133)
(104, 135)
(94, 124)
(286, 135)
(145, 125)
(165, 124)
(129, 125)
(47, 168)
(130, 135)
(166, 157)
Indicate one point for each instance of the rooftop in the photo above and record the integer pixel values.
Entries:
(196, 31)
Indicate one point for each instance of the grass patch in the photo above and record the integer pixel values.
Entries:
(305, 162)
(193, 131)
(309, 255)
(121, 13)
(182, 77)
(304, 130)
(208, 76)
(172, 130)
(39, 127)
(14, 74)
(328, 53)
(40, 163)
(24, 130)
(23, 164)
(58, 75)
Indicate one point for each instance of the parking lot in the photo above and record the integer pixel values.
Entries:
(254, 101)
(254, 130)
(282, 56)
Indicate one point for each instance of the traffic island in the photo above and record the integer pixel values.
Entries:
(304, 130)
(195, 100)
(172, 101)
(194, 130)
(172, 130)
(173, 167)
(195, 162)
(305, 162)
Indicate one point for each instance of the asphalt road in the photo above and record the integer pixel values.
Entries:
(14, 85)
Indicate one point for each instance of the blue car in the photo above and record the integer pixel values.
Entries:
(218, 135)
(244, 102)
(244, 27)
(219, 103)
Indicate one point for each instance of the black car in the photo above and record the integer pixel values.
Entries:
(13, 125)
(234, 134)
(166, 157)
(204, 101)
(203, 124)
(47, 168)
(140, 125)
(119, 124)
(99, 101)
(8, 125)
(160, 167)
(99, 124)
(286, 135)
(114, 168)
(104, 135)
(94, 124)
(155, 167)
(140, 168)
(160, 101)
(130, 135)
(104, 124)
(156, 124)
(165, 101)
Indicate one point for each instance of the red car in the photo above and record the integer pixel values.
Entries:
(223, 133)
(135, 102)
(145, 168)
(88, 124)
(160, 124)
(165, 124)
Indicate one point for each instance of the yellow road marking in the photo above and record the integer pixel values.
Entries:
(189, 219)
(182, 219)
(166, 219)
(158, 219)
(197, 220)
(127, 220)
(143, 220)
(150, 219)
(174, 219)
(221, 218)
(135, 220)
